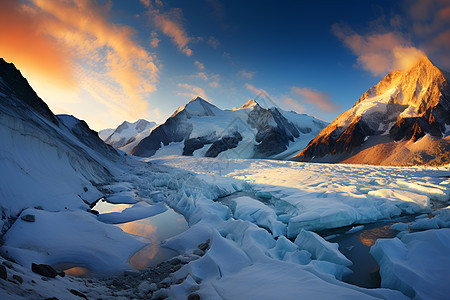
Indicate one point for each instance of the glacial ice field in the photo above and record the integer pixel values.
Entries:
(260, 222)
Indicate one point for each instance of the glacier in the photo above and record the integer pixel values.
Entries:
(254, 225)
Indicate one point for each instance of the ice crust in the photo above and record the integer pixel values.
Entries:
(321, 196)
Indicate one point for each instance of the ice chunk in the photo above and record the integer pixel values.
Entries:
(182, 291)
(223, 258)
(320, 248)
(417, 264)
(288, 251)
(190, 239)
(424, 224)
(281, 280)
(255, 211)
(70, 237)
(433, 191)
(136, 212)
(400, 226)
(127, 197)
(355, 229)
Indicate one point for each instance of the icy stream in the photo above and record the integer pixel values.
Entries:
(356, 246)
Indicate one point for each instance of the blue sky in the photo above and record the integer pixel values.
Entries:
(112, 61)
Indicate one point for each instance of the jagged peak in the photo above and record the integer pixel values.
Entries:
(249, 103)
(198, 107)
(406, 87)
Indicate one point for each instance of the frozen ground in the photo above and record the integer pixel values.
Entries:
(259, 244)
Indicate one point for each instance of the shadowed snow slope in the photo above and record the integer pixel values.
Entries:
(386, 125)
(201, 129)
(46, 161)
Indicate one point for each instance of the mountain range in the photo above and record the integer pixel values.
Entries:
(127, 135)
(199, 128)
(403, 120)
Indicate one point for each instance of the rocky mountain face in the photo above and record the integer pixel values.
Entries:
(127, 133)
(386, 122)
(202, 129)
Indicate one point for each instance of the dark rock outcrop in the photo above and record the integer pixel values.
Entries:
(44, 270)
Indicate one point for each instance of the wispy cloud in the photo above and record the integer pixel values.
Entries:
(291, 103)
(431, 26)
(245, 74)
(255, 90)
(379, 53)
(317, 98)
(106, 62)
(213, 42)
(192, 91)
(154, 42)
(170, 23)
(214, 84)
(199, 65)
(202, 75)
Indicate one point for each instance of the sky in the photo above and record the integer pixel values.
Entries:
(108, 61)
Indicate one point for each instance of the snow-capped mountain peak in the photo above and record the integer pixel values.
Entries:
(249, 104)
(404, 105)
(127, 132)
(202, 129)
(198, 107)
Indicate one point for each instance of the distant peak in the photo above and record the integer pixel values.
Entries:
(249, 103)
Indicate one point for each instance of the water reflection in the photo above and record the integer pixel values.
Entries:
(155, 229)
(77, 271)
(369, 237)
(103, 207)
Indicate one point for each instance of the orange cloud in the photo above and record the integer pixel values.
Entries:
(199, 65)
(154, 41)
(24, 42)
(319, 99)
(170, 25)
(380, 52)
(193, 91)
(203, 76)
(114, 73)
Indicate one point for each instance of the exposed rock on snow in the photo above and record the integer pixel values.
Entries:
(201, 129)
(385, 125)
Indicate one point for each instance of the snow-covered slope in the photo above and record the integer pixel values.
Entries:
(384, 125)
(128, 133)
(202, 129)
(46, 161)
(51, 168)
